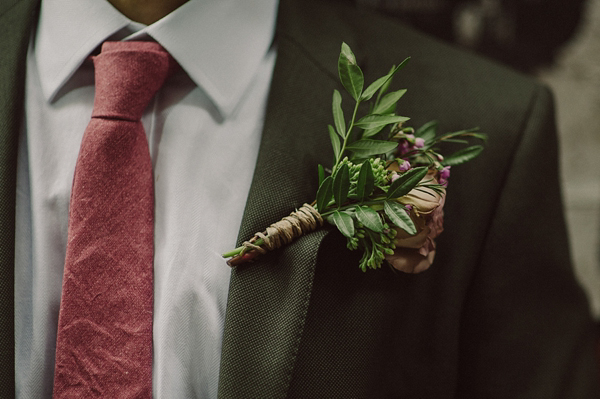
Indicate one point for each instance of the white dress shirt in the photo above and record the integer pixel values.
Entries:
(203, 128)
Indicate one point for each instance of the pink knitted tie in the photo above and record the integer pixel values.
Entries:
(104, 341)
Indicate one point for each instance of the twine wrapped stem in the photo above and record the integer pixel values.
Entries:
(298, 223)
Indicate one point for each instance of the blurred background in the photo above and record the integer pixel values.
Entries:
(558, 42)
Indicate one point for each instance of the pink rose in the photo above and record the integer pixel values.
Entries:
(415, 254)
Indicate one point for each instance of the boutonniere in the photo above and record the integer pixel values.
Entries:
(386, 190)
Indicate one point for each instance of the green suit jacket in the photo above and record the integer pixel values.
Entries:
(499, 315)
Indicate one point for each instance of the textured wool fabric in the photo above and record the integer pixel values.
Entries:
(305, 322)
(104, 341)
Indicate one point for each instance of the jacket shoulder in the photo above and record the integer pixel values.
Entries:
(444, 82)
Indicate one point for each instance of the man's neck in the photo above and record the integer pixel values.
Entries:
(146, 11)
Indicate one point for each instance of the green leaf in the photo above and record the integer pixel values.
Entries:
(387, 84)
(321, 172)
(324, 193)
(458, 141)
(338, 114)
(373, 87)
(399, 217)
(402, 64)
(366, 147)
(366, 181)
(406, 182)
(373, 121)
(427, 131)
(463, 133)
(350, 74)
(344, 223)
(388, 102)
(341, 185)
(463, 155)
(335, 142)
(372, 132)
(369, 218)
(384, 80)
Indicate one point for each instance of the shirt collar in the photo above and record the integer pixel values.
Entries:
(218, 43)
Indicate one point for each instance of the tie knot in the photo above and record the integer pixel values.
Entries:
(128, 75)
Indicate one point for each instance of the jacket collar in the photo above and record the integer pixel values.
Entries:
(268, 300)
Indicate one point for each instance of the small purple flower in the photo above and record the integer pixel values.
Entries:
(405, 166)
(405, 147)
(408, 143)
(444, 175)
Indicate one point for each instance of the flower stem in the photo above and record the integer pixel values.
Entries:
(238, 250)
(347, 136)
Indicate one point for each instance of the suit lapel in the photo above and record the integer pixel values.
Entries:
(268, 299)
(16, 19)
